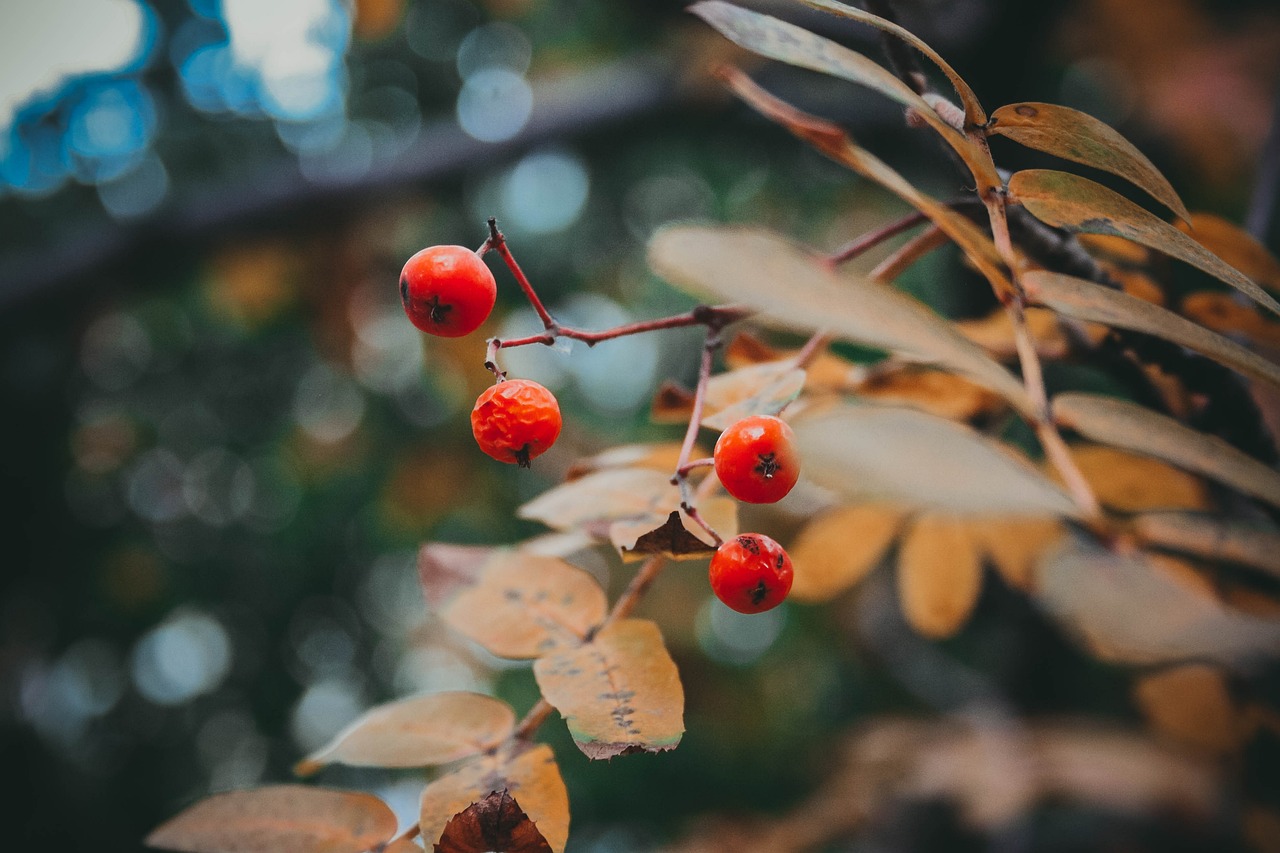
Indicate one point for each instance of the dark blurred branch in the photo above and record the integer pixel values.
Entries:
(1261, 218)
(571, 106)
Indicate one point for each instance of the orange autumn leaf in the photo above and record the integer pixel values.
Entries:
(620, 693)
(840, 547)
(1013, 545)
(1192, 706)
(939, 575)
(1126, 482)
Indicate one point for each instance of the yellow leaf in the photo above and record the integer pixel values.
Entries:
(840, 547)
(1126, 482)
(1078, 204)
(619, 694)
(1237, 247)
(939, 575)
(1013, 545)
(279, 819)
(1073, 135)
(525, 606)
(527, 772)
(1191, 705)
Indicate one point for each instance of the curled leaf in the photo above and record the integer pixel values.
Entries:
(1081, 138)
(435, 728)
(909, 458)
(278, 819)
(619, 694)
(527, 772)
(1132, 427)
(1085, 300)
(1079, 204)
(494, 823)
(525, 606)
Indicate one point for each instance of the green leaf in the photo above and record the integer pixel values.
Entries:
(794, 45)
(1085, 300)
(1079, 137)
(974, 115)
(1079, 204)
(1129, 426)
(747, 266)
(912, 459)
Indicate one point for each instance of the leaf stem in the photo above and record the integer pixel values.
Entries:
(498, 243)
(681, 478)
(873, 238)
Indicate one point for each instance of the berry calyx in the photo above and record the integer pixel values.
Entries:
(756, 459)
(515, 421)
(447, 290)
(751, 573)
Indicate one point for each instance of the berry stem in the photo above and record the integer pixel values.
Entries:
(705, 462)
(683, 465)
(498, 243)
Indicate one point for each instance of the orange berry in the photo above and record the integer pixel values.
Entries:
(751, 573)
(756, 459)
(515, 421)
(447, 290)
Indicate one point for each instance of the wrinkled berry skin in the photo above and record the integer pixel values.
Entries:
(515, 421)
(447, 291)
(756, 459)
(751, 573)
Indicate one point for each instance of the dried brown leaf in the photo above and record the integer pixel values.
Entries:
(1237, 247)
(443, 569)
(1079, 204)
(1129, 426)
(761, 389)
(619, 694)
(943, 394)
(278, 819)
(658, 457)
(840, 547)
(1192, 706)
(745, 266)
(912, 459)
(434, 728)
(1096, 593)
(526, 771)
(678, 537)
(495, 823)
(525, 606)
(1222, 313)
(1085, 300)
(1081, 138)
(939, 575)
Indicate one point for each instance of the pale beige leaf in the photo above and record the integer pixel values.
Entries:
(443, 568)
(278, 819)
(659, 457)
(525, 606)
(619, 694)
(434, 728)
(974, 115)
(840, 547)
(1128, 609)
(1127, 482)
(676, 535)
(1081, 138)
(1237, 247)
(794, 45)
(1013, 545)
(527, 772)
(604, 496)
(912, 459)
(1079, 204)
(1085, 300)
(1132, 427)
(1191, 705)
(745, 266)
(1218, 539)
(939, 575)
(762, 389)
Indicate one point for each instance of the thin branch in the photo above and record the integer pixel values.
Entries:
(910, 252)
(873, 238)
(681, 479)
(498, 243)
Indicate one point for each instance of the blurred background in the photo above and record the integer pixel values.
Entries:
(223, 442)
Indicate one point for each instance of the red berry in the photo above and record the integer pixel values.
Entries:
(756, 459)
(447, 290)
(515, 421)
(751, 573)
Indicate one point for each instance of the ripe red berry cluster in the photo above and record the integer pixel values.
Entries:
(449, 291)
